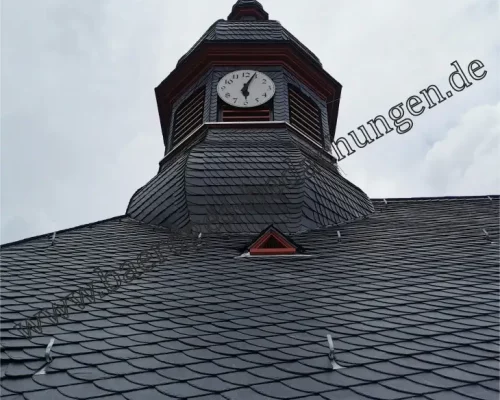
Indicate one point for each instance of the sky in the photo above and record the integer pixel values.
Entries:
(79, 125)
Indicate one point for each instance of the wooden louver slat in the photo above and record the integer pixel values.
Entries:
(245, 115)
(189, 115)
(305, 115)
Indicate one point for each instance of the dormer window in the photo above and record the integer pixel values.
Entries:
(271, 242)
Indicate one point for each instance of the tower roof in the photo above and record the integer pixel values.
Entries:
(249, 10)
(253, 180)
(263, 31)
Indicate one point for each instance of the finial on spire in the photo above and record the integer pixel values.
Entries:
(248, 10)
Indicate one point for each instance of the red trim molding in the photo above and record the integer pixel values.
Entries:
(287, 248)
(271, 252)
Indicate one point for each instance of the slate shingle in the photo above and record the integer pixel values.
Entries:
(83, 391)
(180, 390)
(150, 394)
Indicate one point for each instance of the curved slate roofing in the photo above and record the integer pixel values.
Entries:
(235, 30)
(245, 177)
(252, 32)
(409, 295)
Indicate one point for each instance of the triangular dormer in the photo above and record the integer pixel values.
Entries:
(272, 242)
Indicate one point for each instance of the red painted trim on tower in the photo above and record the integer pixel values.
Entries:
(271, 252)
(287, 247)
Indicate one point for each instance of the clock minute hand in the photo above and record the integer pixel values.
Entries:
(251, 79)
(244, 90)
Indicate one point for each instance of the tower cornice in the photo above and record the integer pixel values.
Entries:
(209, 55)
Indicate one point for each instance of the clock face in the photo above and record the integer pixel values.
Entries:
(246, 88)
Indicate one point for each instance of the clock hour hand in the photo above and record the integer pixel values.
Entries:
(245, 91)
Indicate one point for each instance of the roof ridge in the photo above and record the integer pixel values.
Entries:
(392, 199)
(437, 198)
(62, 230)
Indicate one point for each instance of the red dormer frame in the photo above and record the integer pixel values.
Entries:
(258, 249)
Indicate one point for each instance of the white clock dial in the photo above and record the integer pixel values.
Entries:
(246, 88)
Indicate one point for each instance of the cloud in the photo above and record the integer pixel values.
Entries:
(465, 160)
(26, 225)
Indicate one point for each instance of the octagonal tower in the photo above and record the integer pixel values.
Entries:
(264, 160)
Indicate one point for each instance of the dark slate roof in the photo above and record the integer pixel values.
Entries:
(228, 172)
(252, 32)
(409, 295)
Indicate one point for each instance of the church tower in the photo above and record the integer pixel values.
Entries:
(248, 117)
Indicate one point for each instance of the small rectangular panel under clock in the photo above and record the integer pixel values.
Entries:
(232, 114)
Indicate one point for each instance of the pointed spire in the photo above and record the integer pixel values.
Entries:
(248, 10)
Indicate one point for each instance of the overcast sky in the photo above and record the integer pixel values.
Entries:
(79, 125)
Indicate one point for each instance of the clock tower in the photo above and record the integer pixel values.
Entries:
(248, 117)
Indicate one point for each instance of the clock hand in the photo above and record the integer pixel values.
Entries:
(251, 79)
(244, 90)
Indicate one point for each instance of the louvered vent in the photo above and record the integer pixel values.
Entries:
(305, 115)
(272, 243)
(189, 115)
(231, 114)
